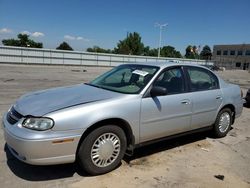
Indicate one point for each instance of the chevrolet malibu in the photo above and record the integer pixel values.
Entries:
(96, 123)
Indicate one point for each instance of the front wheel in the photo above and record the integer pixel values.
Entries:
(223, 123)
(102, 150)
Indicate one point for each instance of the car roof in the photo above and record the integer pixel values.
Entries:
(166, 64)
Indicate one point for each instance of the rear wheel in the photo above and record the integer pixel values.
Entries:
(102, 150)
(223, 123)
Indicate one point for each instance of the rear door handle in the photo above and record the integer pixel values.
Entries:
(218, 97)
(185, 101)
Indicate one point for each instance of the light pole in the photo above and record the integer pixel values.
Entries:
(161, 26)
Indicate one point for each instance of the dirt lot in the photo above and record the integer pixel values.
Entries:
(190, 161)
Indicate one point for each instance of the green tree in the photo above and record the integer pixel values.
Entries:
(153, 52)
(150, 51)
(64, 46)
(11, 42)
(146, 50)
(206, 53)
(22, 41)
(169, 51)
(99, 50)
(192, 52)
(131, 45)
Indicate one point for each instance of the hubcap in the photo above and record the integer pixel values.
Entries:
(105, 149)
(224, 122)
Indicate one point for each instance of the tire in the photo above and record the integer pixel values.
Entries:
(223, 123)
(102, 150)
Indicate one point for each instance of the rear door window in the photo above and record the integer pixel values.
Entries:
(202, 79)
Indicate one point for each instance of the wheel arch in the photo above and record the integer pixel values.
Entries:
(123, 124)
(232, 108)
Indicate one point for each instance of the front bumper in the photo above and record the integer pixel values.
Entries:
(41, 147)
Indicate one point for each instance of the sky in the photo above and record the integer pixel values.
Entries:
(84, 24)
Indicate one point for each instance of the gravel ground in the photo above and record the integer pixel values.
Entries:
(196, 160)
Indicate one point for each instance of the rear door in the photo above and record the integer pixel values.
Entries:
(206, 96)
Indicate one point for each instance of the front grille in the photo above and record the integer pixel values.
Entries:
(13, 116)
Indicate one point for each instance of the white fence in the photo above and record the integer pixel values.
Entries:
(22, 55)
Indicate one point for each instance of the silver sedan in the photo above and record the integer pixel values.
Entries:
(96, 123)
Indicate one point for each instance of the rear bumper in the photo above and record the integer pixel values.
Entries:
(239, 108)
(49, 147)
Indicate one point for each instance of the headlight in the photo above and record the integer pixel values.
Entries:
(39, 124)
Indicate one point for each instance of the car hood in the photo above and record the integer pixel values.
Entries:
(42, 102)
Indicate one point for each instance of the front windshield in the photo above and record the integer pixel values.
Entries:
(129, 78)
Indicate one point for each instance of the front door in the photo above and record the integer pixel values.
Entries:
(166, 115)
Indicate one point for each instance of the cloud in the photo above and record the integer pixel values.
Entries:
(83, 39)
(26, 32)
(79, 38)
(35, 34)
(69, 37)
(5, 31)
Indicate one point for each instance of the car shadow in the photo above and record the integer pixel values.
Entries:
(41, 173)
(246, 105)
(52, 172)
(166, 145)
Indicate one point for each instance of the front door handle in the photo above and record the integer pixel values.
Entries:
(186, 101)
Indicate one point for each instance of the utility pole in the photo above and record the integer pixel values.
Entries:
(161, 26)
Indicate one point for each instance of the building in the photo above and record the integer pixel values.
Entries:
(235, 56)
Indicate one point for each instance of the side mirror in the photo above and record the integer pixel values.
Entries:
(158, 91)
